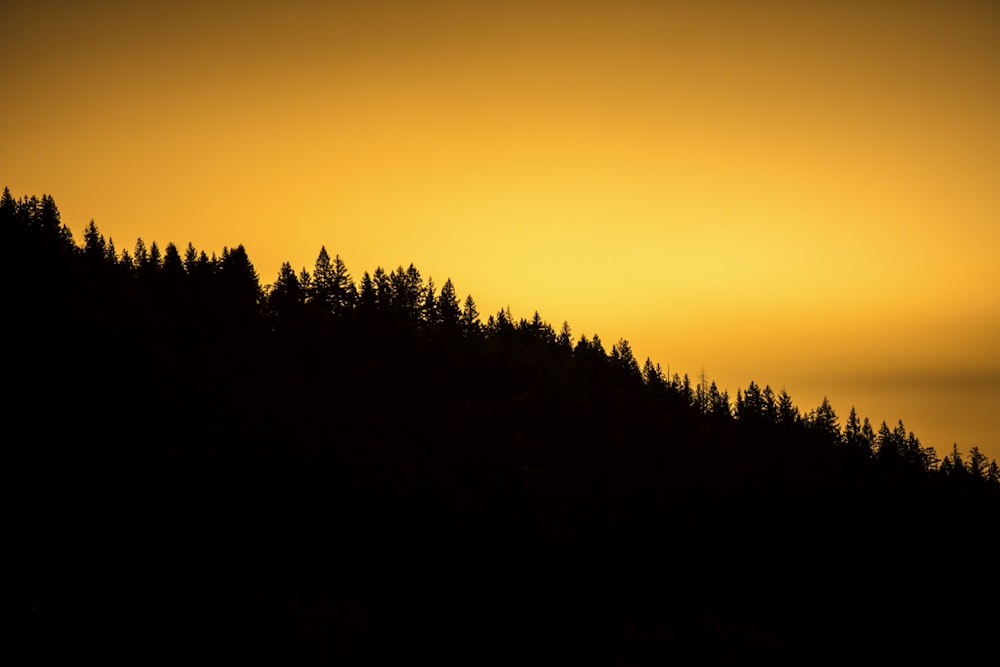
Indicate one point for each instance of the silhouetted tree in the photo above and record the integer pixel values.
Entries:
(623, 359)
(470, 317)
(332, 290)
(140, 255)
(367, 297)
(287, 298)
(823, 421)
(565, 338)
(190, 259)
(8, 208)
(718, 402)
(94, 246)
(652, 375)
(929, 459)
(173, 265)
(888, 444)
(852, 432)
(240, 288)
(957, 466)
(383, 289)
(126, 263)
(407, 292)
(447, 306)
(428, 308)
(978, 463)
(787, 413)
(750, 406)
(868, 435)
(597, 348)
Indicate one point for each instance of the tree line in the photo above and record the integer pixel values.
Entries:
(378, 441)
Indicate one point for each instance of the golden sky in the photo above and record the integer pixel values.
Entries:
(802, 194)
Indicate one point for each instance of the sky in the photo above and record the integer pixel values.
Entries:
(800, 194)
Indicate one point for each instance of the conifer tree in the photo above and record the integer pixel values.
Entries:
(173, 265)
(286, 297)
(447, 306)
(367, 298)
(383, 289)
(428, 308)
(321, 290)
(787, 413)
(718, 402)
(190, 259)
(94, 246)
(978, 463)
(344, 294)
(823, 420)
(565, 338)
(750, 404)
(623, 358)
(470, 317)
(957, 464)
(597, 347)
(652, 375)
(852, 431)
(868, 435)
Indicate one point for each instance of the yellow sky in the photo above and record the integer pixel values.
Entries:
(804, 194)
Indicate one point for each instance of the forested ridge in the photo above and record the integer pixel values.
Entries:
(369, 471)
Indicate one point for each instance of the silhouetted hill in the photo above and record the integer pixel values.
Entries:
(365, 472)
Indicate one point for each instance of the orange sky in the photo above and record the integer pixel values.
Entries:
(803, 194)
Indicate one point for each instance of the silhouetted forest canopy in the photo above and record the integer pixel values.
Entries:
(368, 470)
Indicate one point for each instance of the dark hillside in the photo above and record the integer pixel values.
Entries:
(365, 472)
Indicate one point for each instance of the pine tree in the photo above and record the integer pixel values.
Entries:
(367, 298)
(321, 291)
(383, 289)
(173, 265)
(190, 259)
(241, 291)
(565, 338)
(428, 308)
(155, 258)
(823, 420)
(470, 317)
(852, 431)
(8, 208)
(623, 359)
(652, 375)
(958, 467)
(978, 463)
(597, 347)
(94, 246)
(787, 413)
(750, 406)
(769, 404)
(110, 254)
(447, 306)
(887, 447)
(718, 402)
(344, 293)
(868, 435)
(140, 256)
(287, 297)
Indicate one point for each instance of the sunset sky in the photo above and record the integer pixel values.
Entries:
(802, 194)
